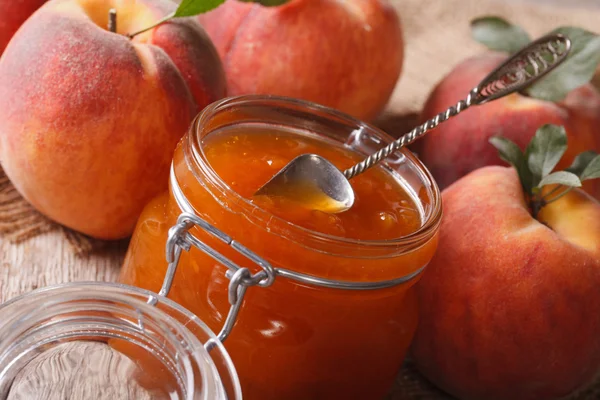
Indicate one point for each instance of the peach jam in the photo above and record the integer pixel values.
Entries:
(327, 308)
(247, 157)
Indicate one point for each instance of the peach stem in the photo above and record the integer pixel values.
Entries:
(545, 198)
(538, 202)
(536, 205)
(112, 20)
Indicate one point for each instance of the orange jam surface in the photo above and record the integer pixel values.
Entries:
(246, 159)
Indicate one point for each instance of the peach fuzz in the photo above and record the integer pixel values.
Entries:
(509, 304)
(14, 13)
(89, 118)
(461, 145)
(343, 54)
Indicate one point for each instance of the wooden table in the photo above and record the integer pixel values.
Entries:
(48, 259)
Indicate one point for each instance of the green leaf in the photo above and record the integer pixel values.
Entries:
(499, 34)
(512, 154)
(545, 151)
(267, 3)
(188, 8)
(508, 150)
(581, 162)
(561, 178)
(592, 171)
(577, 70)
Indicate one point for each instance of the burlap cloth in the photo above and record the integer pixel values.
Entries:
(437, 38)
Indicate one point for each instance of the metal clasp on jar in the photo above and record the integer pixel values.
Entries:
(241, 278)
(179, 239)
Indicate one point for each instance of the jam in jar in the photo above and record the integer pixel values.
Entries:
(314, 305)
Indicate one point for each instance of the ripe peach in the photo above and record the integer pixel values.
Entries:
(509, 305)
(460, 145)
(14, 13)
(343, 54)
(89, 118)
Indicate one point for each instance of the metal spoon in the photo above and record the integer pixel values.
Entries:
(316, 183)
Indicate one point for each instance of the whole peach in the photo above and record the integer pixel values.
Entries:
(460, 145)
(343, 54)
(89, 118)
(509, 305)
(13, 13)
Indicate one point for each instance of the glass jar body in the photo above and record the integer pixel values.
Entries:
(95, 340)
(292, 340)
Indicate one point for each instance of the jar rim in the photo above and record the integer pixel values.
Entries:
(421, 235)
(117, 292)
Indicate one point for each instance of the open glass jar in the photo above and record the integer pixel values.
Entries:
(108, 341)
(306, 314)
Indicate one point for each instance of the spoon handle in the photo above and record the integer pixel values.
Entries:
(522, 69)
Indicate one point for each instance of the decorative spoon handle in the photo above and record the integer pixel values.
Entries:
(519, 71)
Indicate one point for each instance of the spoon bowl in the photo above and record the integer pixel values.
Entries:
(311, 179)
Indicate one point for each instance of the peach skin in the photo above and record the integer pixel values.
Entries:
(343, 54)
(89, 118)
(509, 304)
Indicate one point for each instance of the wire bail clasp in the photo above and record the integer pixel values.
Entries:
(180, 239)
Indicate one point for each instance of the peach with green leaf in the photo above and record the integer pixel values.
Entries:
(564, 97)
(90, 115)
(510, 304)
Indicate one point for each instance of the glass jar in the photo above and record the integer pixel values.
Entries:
(307, 315)
(109, 341)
